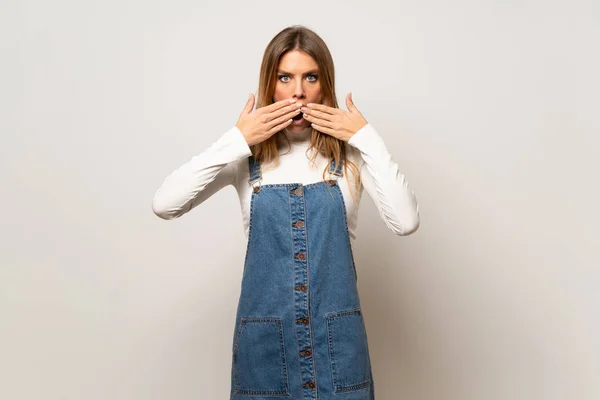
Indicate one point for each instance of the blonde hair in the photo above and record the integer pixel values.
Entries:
(298, 37)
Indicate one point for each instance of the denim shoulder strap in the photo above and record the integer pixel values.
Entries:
(336, 171)
(254, 170)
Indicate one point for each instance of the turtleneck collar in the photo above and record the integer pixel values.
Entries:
(300, 137)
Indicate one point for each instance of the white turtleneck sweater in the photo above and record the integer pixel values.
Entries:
(225, 162)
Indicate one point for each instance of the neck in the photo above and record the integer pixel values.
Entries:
(299, 136)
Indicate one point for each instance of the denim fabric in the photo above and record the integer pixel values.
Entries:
(299, 329)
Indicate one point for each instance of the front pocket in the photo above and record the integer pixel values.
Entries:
(348, 350)
(259, 357)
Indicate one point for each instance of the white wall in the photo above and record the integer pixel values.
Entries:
(490, 108)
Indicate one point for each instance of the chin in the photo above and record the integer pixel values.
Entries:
(298, 128)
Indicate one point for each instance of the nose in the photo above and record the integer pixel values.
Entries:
(299, 93)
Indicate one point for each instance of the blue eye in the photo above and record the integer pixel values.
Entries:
(287, 76)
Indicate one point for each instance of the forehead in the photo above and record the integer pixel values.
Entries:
(297, 61)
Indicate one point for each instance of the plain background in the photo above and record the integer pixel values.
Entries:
(489, 107)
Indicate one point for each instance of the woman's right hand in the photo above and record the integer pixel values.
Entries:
(260, 124)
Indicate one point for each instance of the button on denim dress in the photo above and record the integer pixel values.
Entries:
(299, 329)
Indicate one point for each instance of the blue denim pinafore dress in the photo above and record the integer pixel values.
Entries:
(299, 329)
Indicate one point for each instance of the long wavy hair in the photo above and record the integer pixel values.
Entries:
(298, 37)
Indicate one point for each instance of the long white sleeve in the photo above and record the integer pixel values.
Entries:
(386, 185)
(201, 177)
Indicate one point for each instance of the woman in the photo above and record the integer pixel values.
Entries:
(299, 329)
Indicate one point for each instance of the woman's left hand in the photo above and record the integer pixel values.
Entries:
(335, 121)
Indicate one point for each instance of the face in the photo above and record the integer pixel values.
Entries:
(298, 78)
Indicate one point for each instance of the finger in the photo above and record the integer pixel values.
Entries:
(324, 129)
(350, 102)
(249, 104)
(278, 120)
(323, 108)
(319, 121)
(319, 114)
(292, 108)
(279, 127)
(276, 106)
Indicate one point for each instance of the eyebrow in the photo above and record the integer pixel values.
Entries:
(312, 71)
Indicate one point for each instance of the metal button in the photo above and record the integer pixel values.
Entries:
(332, 182)
(301, 256)
(298, 191)
(301, 288)
(303, 321)
(306, 352)
(256, 189)
(310, 384)
(299, 224)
